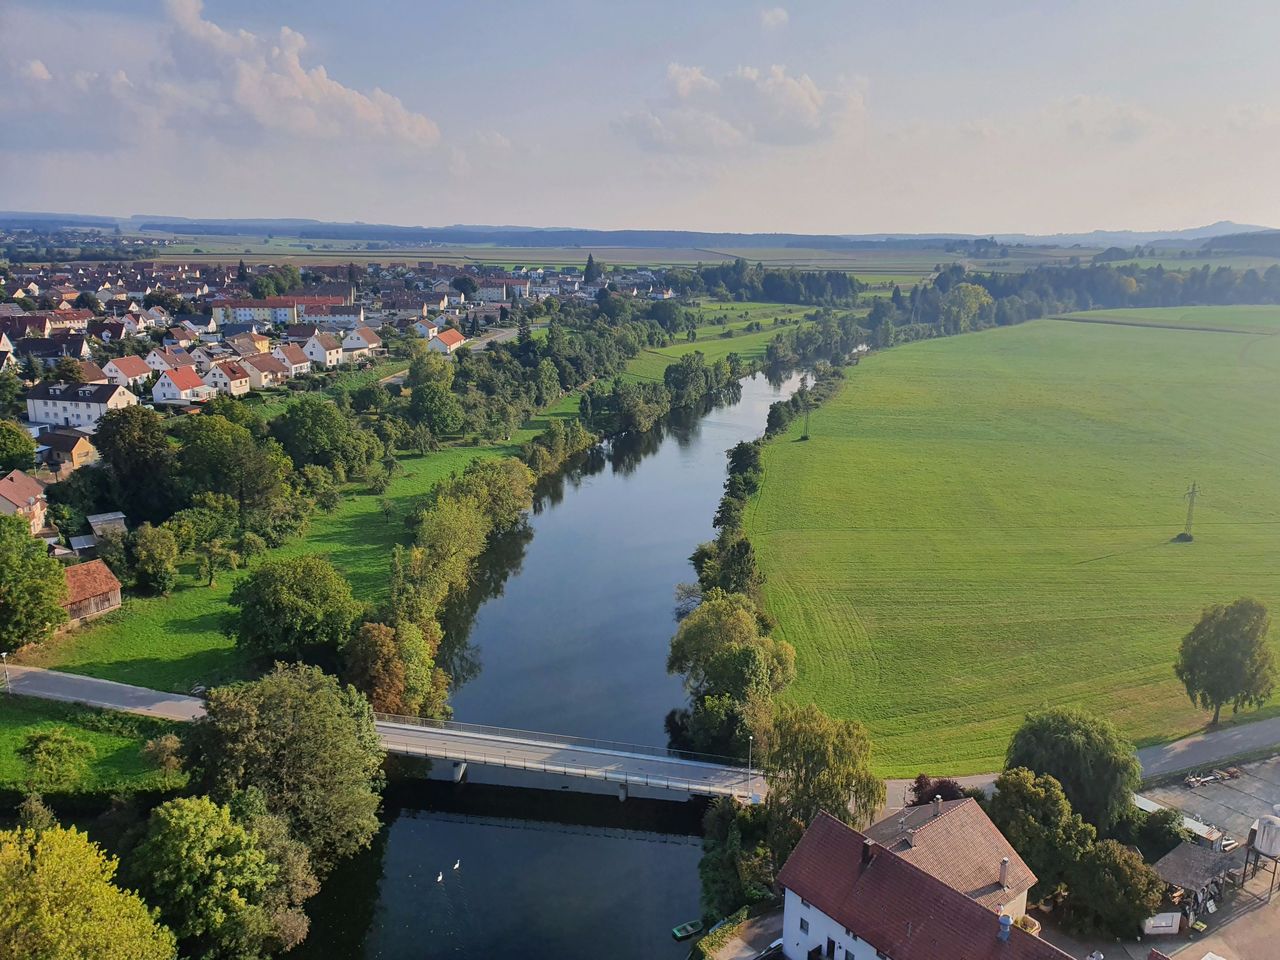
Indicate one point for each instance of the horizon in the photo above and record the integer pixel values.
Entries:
(805, 118)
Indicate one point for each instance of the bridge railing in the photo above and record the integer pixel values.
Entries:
(555, 739)
(743, 786)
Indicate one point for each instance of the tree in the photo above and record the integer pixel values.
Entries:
(66, 369)
(311, 747)
(32, 586)
(57, 900)
(55, 759)
(1036, 818)
(138, 457)
(10, 389)
(313, 430)
(207, 877)
(87, 300)
(295, 881)
(593, 271)
(155, 558)
(1113, 892)
(290, 605)
(374, 667)
(1095, 765)
(165, 751)
(816, 764)
(168, 300)
(219, 456)
(464, 285)
(1225, 657)
(925, 788)
(17, 449)
(436, 408)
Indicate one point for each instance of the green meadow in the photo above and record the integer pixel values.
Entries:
(652, 364)
(980, 526)
(172, 643)
(1235, 319)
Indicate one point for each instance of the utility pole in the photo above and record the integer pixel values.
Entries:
(1190, 497)
(4, 658)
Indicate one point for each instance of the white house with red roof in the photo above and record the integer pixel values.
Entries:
(847, 897)
(446, 341)
(323, 350)
(292, 356)
(181, 386)
(23, 496)
(127, 371)
(228, 377)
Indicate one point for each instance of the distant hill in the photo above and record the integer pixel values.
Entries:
(1265, 242)
(523, 236)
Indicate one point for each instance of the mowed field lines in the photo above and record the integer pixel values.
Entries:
(980, 526)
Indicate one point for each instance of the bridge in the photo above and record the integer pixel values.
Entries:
(626, 765)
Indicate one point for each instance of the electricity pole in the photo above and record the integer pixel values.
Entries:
(1190, 497)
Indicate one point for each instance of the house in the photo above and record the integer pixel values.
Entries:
(49, 350)
(228, 377)
(446, 341)
(127, 371)
(249, 344)
(293, 357)
(323, 350)
(92, 590)
(23, 496)
(425, 328)
(264, 371)
(300, 332)
(181, 385)
(79, 405)
(359, 343)
(846, 897)
(67, 451)
(345, 317)
(161, 359)
(90, 372)
(956, 842)
(107, 331)
(100, 523)
(492, 291)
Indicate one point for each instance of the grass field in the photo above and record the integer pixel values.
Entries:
(172, 643)
(116, 739)
(980, 526)
(1238, 319)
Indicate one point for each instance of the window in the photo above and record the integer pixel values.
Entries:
(804, 903)
(804, 925)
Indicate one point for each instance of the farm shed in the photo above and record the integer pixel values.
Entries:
(92, 590)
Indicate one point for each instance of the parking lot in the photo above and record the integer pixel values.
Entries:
(1232, 805)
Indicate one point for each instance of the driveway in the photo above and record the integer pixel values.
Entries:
(753, 937)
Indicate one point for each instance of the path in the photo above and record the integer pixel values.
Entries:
(627, 765)
(1205, 749)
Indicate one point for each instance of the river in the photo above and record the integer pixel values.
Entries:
(566, 632)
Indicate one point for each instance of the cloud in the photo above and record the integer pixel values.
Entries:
(204, 81)
(774, 17)
(746, 107)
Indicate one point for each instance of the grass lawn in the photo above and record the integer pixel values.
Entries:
(980, 526)
(1235, 319)
(171, 643)
(652, 364)
(116, 740)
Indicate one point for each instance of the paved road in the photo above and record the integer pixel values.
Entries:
(1205, 749)
(526, 752)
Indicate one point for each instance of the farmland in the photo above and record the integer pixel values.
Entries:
(980, 526)
(1236, 319)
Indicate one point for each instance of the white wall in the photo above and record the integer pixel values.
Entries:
(797, 944)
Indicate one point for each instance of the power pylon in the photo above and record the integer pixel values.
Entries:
(1190, 496)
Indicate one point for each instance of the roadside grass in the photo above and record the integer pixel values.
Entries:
(1234, 319)
(980, 527)
(173, 643)
(116, 739)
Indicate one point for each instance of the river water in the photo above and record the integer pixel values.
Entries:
(566, 632)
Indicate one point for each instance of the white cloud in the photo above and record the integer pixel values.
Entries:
(749, 106)
(35, 71)
(774, 17)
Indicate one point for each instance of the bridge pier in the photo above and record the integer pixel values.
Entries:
(622, 792)
(459, 770)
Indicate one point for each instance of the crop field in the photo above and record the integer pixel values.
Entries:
(174, 642)
(980, 526)
(116, 741)
(1236, 319)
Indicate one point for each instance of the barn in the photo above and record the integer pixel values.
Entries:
(92, 590)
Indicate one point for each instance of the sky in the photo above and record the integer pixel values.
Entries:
(825, 116)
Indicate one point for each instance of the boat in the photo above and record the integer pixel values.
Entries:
(686, 930)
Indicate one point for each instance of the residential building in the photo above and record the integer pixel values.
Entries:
(425, 328)
(293, 357)
(90, 372)
(265, 371)
(161, 359)
(127, 371)
(249, 344)
(345, 317)
(23, 496)
(956, 842)
(360, 343)
(181, 385)
(228, 377)
(846, 897)
(323, 350)
(67, 450)
(281, 310)
(300, 332)
(92, 590)
(79, 405)
(446, 341)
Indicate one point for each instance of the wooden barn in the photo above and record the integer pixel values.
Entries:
(92, 590)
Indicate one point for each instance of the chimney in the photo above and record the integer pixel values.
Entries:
(937, 805)
(1006, 925)
(868, 850)
(1004, 872)
(910, 838)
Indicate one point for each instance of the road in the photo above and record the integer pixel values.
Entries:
(616, 763)
(1205, 749)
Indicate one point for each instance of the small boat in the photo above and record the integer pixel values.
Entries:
(686, 930)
